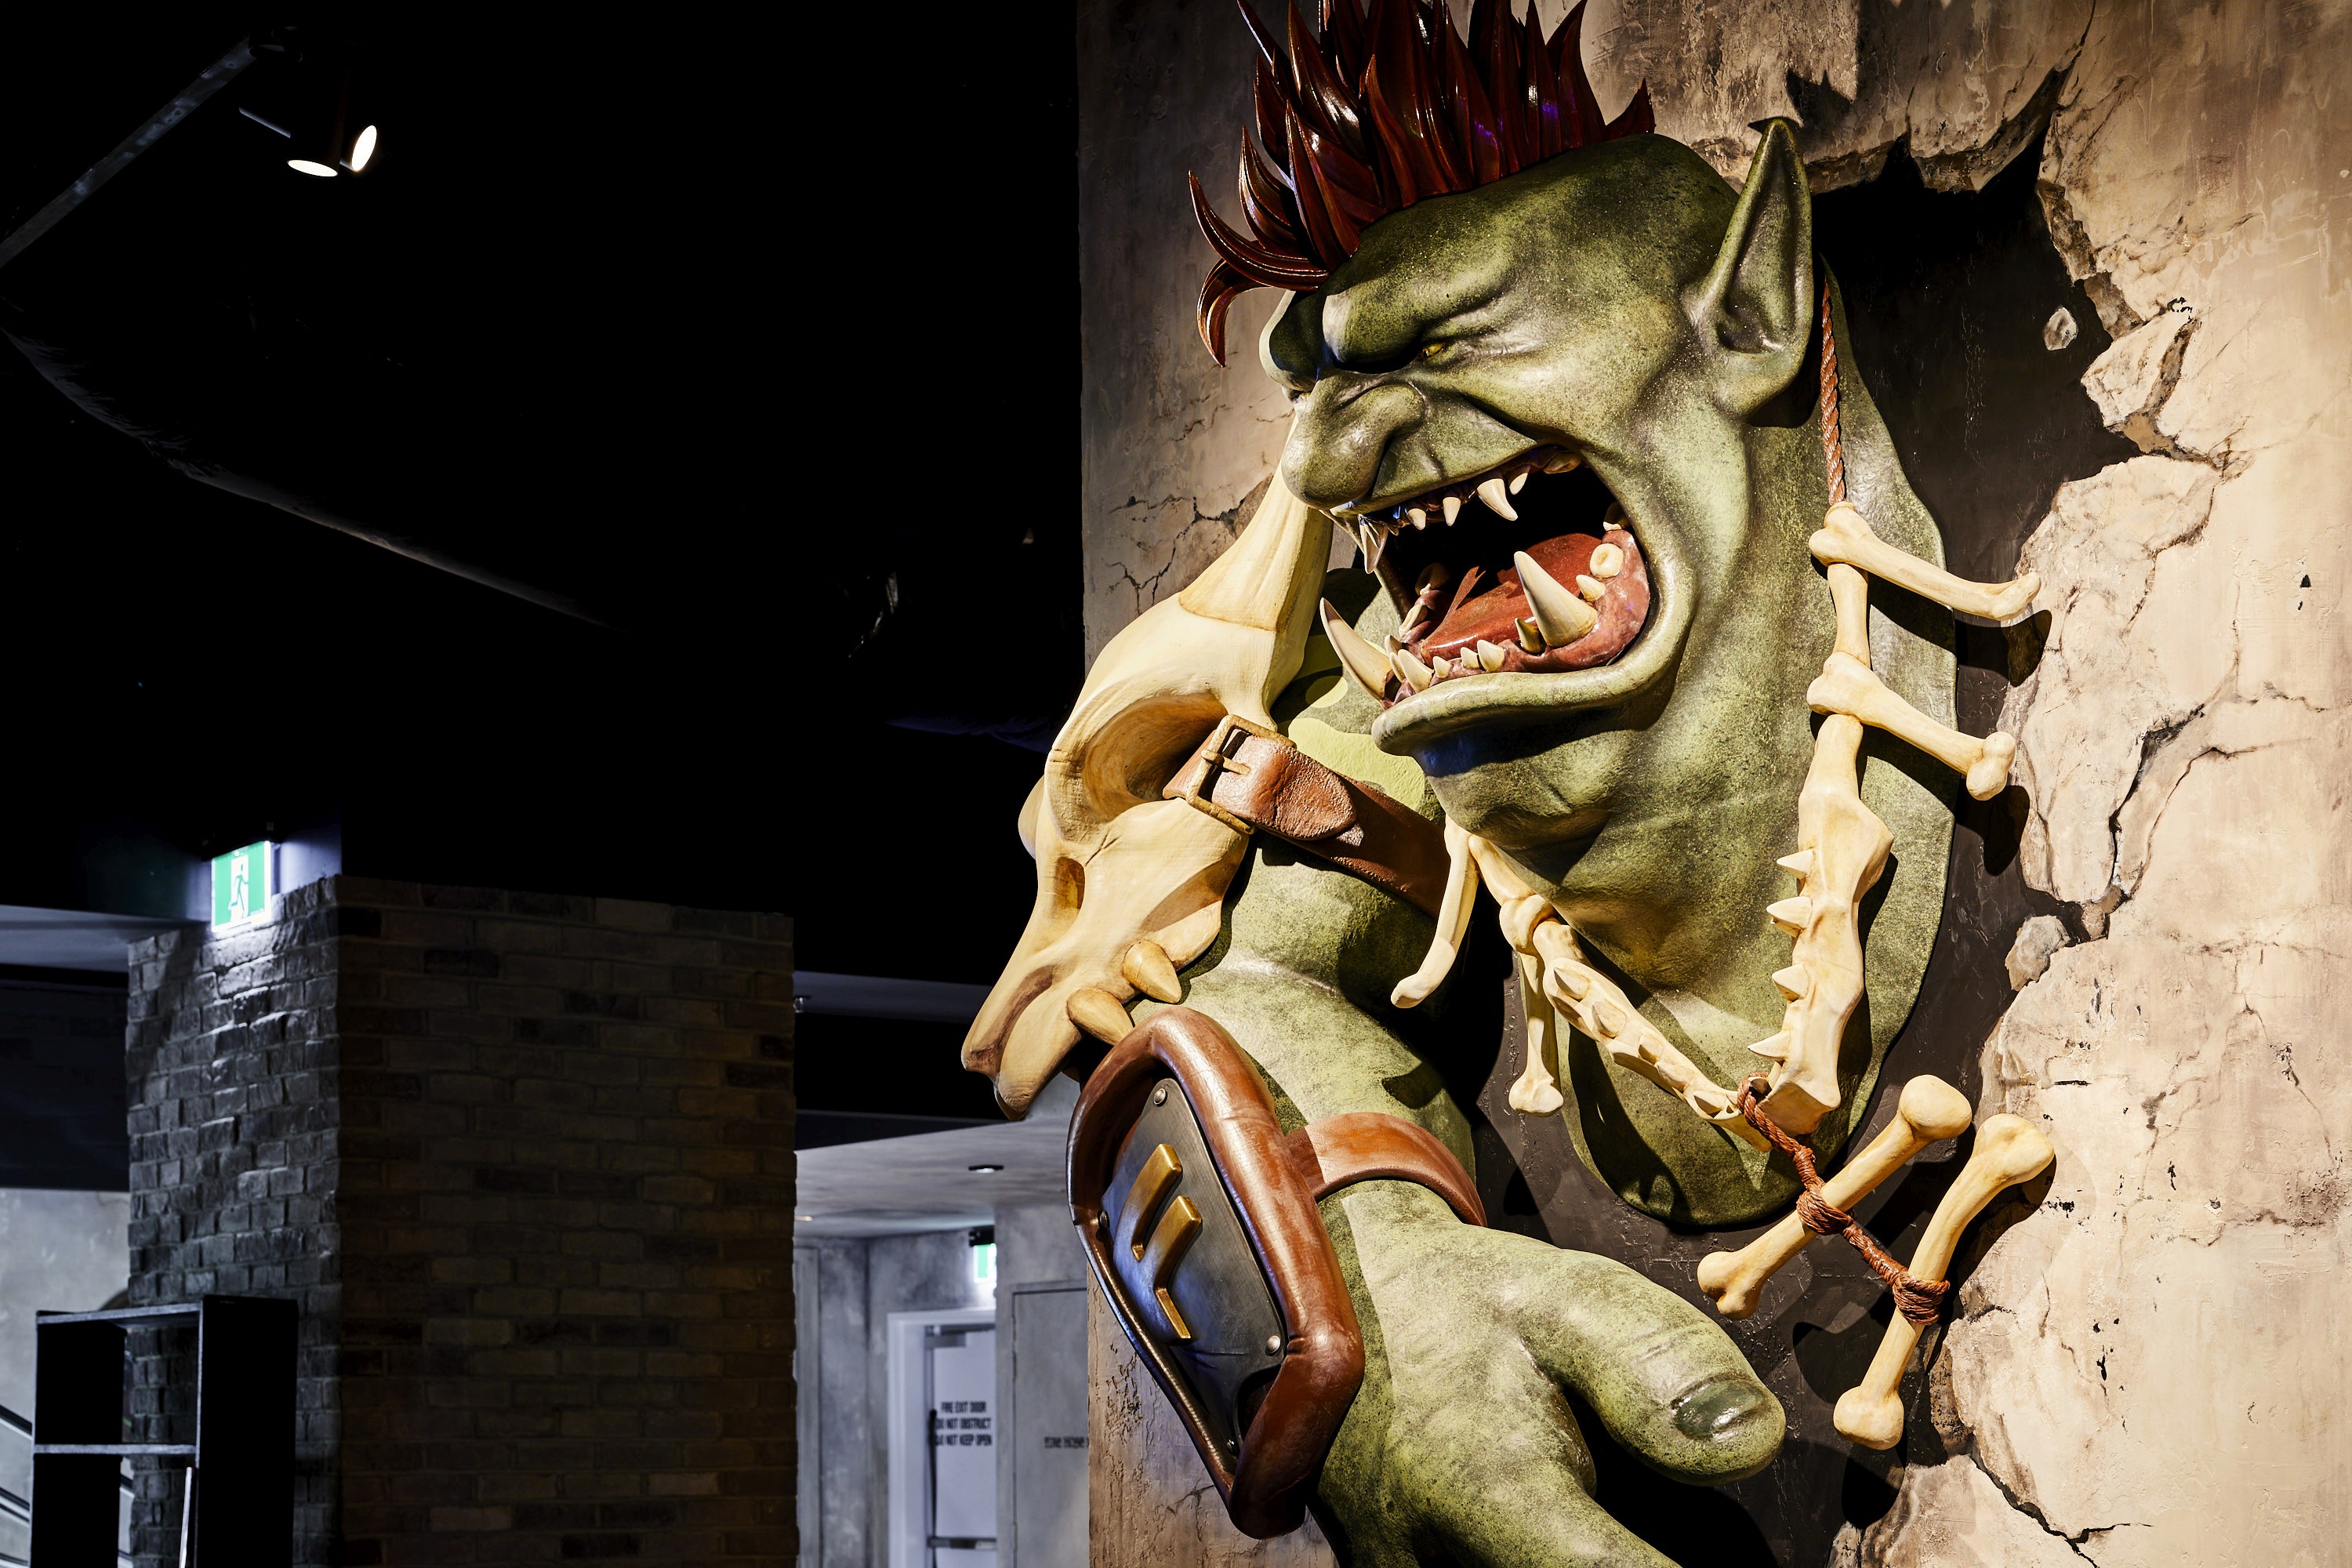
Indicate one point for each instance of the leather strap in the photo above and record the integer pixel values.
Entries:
(1374, 1146)
(1254, 780)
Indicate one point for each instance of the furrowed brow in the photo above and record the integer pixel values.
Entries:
(1387, 315)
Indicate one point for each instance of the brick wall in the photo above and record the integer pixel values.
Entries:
(527, 1163)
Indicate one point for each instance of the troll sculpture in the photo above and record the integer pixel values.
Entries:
(1578, 402)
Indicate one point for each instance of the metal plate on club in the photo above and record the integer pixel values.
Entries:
(1186, 1263)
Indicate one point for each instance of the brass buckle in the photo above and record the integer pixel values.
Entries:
(1216, 755)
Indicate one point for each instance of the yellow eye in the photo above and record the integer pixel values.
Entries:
(1433, 348)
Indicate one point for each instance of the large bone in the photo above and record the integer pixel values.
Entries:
(1846, 685)
(1452, 922)
(2007, 1151)
(1929, 1111)
(1845, 535)
(1117, 865)
(1534, 1092)
(1556, 981)
(1842, 847)
(1596, 1006)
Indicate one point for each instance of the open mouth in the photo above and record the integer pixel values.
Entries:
(1528, 568)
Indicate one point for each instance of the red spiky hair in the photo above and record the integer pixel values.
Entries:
(1381, 110)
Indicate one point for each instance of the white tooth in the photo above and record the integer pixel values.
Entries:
(1434, 576)
(1491, 492)
(1519, 481)
(1439, 669)
(1530, 639)
(1420, 517)
(1607, 562)
(1359, 658)
(1590, 587)
(1453, 509)
(1415, 616)
(1376, 539)
(1410, 671)
(1490, 657)
(1392, 642)
(1560, 616)
(1561, 463)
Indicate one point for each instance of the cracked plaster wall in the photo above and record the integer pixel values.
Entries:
(2151, 1368)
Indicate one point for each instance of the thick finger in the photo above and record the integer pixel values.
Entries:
(1667, 1383)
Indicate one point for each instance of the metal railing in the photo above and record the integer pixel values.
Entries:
(15, 1507)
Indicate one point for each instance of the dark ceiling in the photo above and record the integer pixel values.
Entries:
(728, 338)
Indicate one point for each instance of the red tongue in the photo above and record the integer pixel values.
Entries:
(1488, 608)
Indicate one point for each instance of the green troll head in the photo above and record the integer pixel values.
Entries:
(1560, 381)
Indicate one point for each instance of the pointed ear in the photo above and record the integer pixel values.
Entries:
(1755, 311)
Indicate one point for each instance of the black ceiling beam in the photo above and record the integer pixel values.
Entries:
(184, 102)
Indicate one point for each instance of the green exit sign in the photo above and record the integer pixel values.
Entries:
(243, 880)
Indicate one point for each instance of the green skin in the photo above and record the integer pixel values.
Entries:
(1459, 1448)
(1611, 301)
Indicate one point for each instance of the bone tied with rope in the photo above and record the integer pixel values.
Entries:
(1841, 849)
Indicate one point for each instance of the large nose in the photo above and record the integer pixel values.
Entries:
(1339, 433)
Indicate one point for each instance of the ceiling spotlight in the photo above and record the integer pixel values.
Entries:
(314, 101)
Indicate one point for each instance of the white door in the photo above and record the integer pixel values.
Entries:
(1045, 1443)
(962, 1533)
(942, 1436)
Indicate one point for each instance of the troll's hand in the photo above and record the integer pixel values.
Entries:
(1460, 1447)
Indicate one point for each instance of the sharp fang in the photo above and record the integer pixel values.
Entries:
(1410, 671)
(1792, 915)
(1519, 481)
(1561, 463)
(1607, 562)
(1377, 541)
(1801, 864)
(1452, 505)
(1439, 669)
(1359, 658)
(1392, 642)
(1490, 657)
(1491, 492)
(1415, 616)
(1560, 616)
(1775, 1050)
(1793, 981)
(1590, 587)
(1434, 576)
(1531, 638)
(1099, 1013)
(1148, 968)
(1420, 517)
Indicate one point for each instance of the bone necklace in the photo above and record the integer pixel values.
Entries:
(1841, 848)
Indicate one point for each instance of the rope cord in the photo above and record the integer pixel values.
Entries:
(1918, 1300)
(1832, 444)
